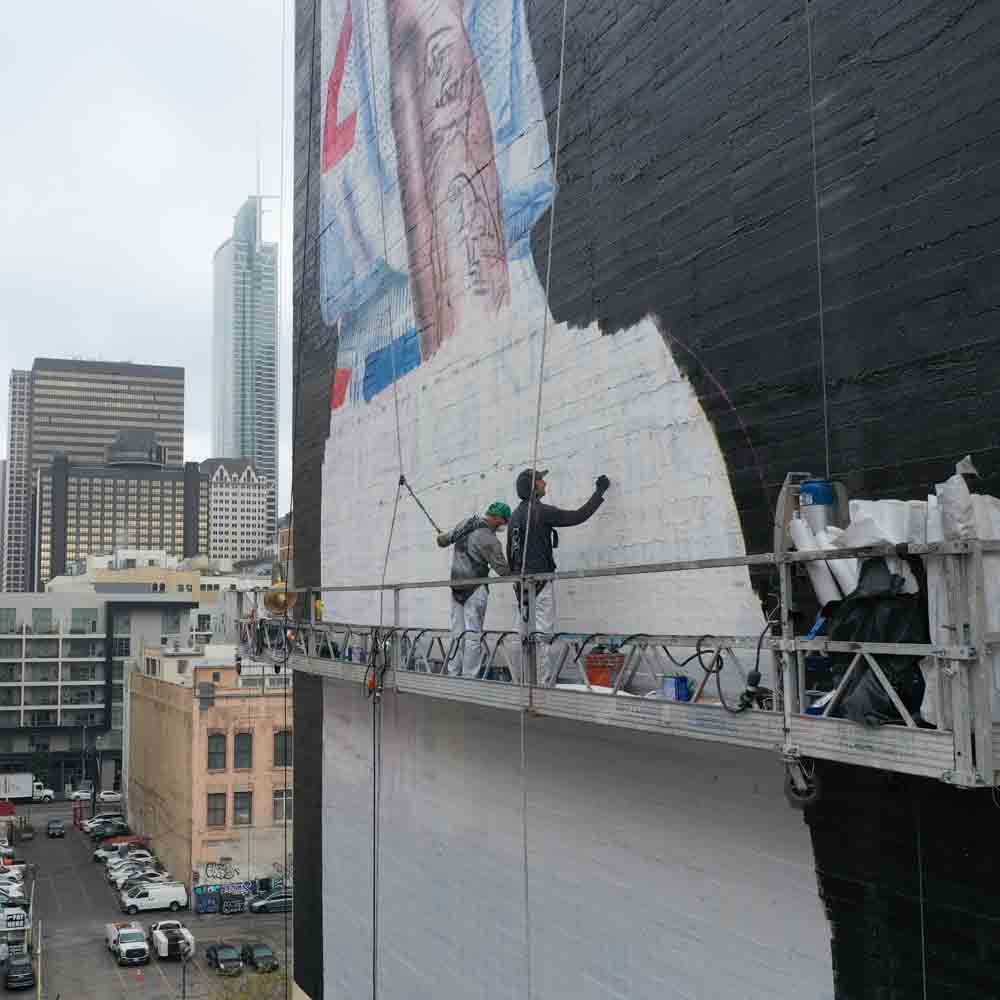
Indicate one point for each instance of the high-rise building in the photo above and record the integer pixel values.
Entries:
(3, 511)
(133, 498)
(239, 505)
(244, 348)
(17, 512)
(76, 408)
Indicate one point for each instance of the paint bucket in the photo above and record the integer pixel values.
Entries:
(816, 502)
(676, 687)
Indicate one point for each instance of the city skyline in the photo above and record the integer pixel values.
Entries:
(113, 213)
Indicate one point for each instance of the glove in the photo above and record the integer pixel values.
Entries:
(603, 484)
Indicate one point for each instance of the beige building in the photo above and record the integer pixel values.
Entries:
(210, 773)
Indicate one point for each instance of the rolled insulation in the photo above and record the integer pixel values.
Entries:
(845, 571)
(819, 573)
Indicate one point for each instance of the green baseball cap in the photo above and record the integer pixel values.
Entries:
(499, 509)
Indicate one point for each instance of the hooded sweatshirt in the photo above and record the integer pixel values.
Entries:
(477, 548)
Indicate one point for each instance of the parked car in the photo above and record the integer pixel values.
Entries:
(155, 896)
(119, 878)
(104, 817)
(109, 796)
(259, 956)
(20, 973)
(108, 830)
(142, 878)
(11, 878)
(81, 795)
(108, 851)
(225, 958)
(275, 902)
(55, 828)
(139, 855)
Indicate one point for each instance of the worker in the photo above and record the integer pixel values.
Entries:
(530, 550)
(477, 549)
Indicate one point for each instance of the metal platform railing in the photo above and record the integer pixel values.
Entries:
(774, 714)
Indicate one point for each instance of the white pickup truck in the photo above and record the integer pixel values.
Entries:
(171, 939)
(126, 940)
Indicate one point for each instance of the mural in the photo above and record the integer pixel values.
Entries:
(435, 171)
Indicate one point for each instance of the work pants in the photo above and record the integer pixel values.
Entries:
(468, 618)
(544, 621)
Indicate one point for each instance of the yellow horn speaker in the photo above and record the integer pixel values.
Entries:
(280, 601)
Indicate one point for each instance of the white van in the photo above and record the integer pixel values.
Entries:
(155, 896)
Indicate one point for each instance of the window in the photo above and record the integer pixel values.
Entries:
(204, 623)
(242, 808)
(121, 646)
(216, 813)
(83, 620)
(217, 752)
(121, 622)
(182, 666)
(282, 805)
(171, 621)
(216, 676)
(243, 751)
(283, 748)
(41, 621)
(39, 744)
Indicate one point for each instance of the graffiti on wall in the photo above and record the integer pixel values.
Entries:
(436, 169)
(220, 871)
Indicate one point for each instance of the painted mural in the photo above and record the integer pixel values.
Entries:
(436, 169)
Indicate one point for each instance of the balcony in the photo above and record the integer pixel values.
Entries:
(41, 718)
(91, 697)
(41, 696)
(83, 717)
(10, 674)
(10, 649)
(48, 674)
(10, 718)
(10, 698)
(42, 649)
(73, 674)
(83, 649)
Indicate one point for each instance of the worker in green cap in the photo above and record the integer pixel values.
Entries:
(477, 548)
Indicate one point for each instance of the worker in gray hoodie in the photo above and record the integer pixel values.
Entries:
(477, 548)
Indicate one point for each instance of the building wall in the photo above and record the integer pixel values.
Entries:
(263, 848)
(772, 249)
(161, 736)
(240, 518)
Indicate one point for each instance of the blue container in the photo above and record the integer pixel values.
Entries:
(817, 491)
(677, 687)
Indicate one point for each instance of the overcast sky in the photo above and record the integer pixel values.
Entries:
(129, 142)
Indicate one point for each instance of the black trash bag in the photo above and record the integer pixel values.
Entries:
(877, 612)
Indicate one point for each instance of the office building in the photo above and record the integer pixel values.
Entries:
(244, 348)
(78, 408)
(64, 665)
(239, 504)
(210, 766)
(17, 507)
(3, 512)
(75, 409)
(133, 498)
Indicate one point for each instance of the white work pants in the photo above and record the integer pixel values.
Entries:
(468, 618)
(544, 621)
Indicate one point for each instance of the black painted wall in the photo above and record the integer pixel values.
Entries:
(687, 191)
(909, 873)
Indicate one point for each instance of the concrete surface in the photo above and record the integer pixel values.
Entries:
(73, 901)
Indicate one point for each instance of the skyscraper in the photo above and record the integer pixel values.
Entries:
(244, 349)
(76, 408)
(17, 512)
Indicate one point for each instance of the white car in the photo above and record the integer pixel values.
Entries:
(97, 820)
(80, 795)
(133, 858)
(119, 878)
(109, 796)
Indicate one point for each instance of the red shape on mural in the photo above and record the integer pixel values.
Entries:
(338, 391)
(338, 136)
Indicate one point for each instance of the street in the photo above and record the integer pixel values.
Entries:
(74, 902)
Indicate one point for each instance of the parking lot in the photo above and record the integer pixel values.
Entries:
(74, 902)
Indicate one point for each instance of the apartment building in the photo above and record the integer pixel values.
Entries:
(210, 764)
(65, 660)
(15, 568)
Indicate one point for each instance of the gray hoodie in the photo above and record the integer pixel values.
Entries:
(477, 548)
